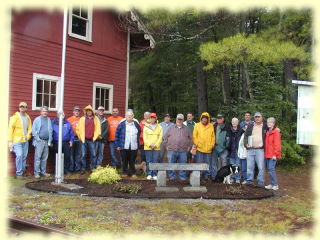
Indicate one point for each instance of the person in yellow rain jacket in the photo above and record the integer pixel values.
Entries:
(204, 141)
(88, 131)
(152, 138)
(19, 133)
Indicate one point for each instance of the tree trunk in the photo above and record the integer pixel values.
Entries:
(246, 86)
(288, 76)
(225, 83)
(202, 90)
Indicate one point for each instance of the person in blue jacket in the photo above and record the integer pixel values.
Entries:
(67, 140)
(42, 139)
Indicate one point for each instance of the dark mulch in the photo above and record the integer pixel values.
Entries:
(215, 190)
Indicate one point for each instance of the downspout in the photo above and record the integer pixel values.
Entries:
(127, 76)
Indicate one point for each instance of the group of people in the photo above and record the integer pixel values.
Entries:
(245, 144)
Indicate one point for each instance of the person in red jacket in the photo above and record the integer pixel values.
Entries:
(142, 123)
(272, 152)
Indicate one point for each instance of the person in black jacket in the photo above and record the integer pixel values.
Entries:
(100, 142)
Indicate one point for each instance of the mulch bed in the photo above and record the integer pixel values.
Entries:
(214, 190)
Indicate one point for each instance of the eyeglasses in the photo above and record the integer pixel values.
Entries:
(179, 119)
(22, 107)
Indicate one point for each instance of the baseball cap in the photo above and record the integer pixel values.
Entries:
(153, 115)
(76, 108)
(220, 115)
(180, 116)
(167, 115)
(100, 108)
(257, 114)
(22, 104)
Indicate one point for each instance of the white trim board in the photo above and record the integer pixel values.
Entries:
(37, 76)
(102, 85)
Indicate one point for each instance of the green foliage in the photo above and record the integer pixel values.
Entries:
(292, 154)
(128, 188)
(104, 175)
(240, 49)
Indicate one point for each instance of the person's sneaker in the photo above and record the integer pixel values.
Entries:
(124, 175)
(36, 176)
(244, 182)
(134, 176)
(275, 188)
(238, 181)
(154, 177)
(82, 172)
(46, 174)
(149, 177)
(268, 186)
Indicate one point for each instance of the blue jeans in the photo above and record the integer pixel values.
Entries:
(142, 153)
(21, 151)
(99, 151)
(151, 157)
(113, 153)
(93, 158)
(204, 158)
(235, 161)
(243, 168)
(255, 156)
(214, 162)
(271, 165)
(180, 157)
(41, 152)
(75, 156)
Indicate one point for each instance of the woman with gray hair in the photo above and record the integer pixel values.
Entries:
(272, 152)
(235, 135)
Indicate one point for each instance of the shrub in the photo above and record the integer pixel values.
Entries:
(104, 175)
(128, 188)
(292, 154)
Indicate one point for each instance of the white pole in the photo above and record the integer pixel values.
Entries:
(59, 173)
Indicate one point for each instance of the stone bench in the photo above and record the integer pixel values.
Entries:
(162, 169)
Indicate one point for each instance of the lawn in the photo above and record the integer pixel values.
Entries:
(292, 212)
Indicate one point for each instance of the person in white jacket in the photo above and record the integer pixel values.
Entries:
(242, 154)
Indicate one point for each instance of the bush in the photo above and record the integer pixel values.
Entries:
(128, 188)
(107, 175)
(292, 154)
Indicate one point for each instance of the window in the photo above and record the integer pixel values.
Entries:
(80, 23)
(45, 91)
(103, 96)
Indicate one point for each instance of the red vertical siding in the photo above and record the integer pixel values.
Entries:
(36, 48)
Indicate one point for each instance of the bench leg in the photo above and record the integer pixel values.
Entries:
(162, 179)
(195, 179)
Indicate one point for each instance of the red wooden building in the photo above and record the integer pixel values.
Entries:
(97, 61)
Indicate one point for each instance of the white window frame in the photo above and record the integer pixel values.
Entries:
(88, 38)
(37, 76)
(103, 85)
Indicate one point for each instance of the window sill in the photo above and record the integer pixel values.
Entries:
(79, 39)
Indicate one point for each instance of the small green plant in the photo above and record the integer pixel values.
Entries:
(128, 188)
(235, 190)
(104, 175)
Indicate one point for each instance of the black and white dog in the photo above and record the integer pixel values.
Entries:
(224, 173)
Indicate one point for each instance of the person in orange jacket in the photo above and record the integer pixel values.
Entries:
(272, 152)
